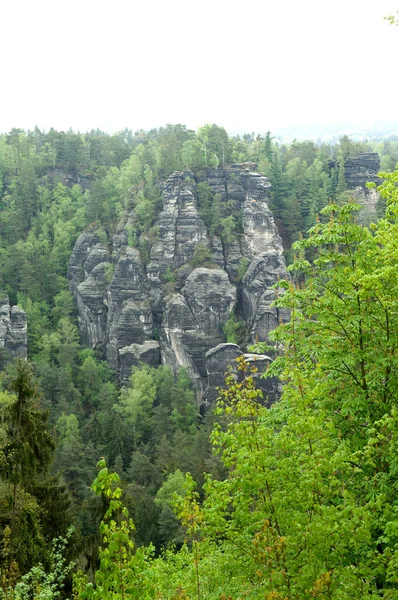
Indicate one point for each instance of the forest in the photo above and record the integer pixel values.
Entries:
(114, 491)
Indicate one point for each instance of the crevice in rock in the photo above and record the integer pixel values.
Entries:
(176, 217)
(224, 253)
(226, 187)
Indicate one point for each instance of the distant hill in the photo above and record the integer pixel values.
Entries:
(372, 131)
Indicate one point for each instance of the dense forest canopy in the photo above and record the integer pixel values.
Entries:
(298, 500)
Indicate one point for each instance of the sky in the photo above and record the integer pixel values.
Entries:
(247, 66)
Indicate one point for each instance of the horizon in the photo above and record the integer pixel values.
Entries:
(325, 132)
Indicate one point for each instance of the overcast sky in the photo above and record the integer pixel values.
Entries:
(248, 66)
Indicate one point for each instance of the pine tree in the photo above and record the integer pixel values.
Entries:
(27, 452)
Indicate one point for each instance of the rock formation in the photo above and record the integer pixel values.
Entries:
(163, 308)
(13, 329)
(359, 170)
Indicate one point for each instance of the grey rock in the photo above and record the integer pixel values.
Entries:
(130, 318)
(181, 275)
(193, 322)
(99, 254)
(270, 386)
(261, 236)
(218, 361)
(257, 296)
(92, 309)
(362, 168)
(232, 258)
(135, 354)
(119, 311)
(359, 170)
(87, 273)
(217, 251)
(13, 329)
(76, 268)
(179, 226)
(178, 326)
(211, 298)
(222, 359)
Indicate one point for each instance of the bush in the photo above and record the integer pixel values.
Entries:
(202, 257)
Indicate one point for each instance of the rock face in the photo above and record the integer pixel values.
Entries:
(362, 168)
(359, 170)
(193, 322)
(13, 329)
(89, 276)
(165, 307)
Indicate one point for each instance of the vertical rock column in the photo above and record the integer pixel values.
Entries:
(13, 329)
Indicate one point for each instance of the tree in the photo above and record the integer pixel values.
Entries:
(215, 141)
(136, 402)
(29, 447)
(269, 155)
(38, 583)
(26, 452)
(121, 573)
(308, 508)
(170, 527)
(342, 342)
(341, 180)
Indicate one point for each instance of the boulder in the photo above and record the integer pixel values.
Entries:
(135, 354)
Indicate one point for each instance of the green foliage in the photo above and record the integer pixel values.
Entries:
(202, 257)
(26, 452)
(38, 583)
(392, 19)
(169, 276)
(170, 527)
(109, 270)
(136, 401)
(121, 572)
(228, 229)
(29, 447)
(235, 330)
(215, 144)
(244, 264)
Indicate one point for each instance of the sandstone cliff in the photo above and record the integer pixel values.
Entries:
(359, 170)
(161, 308)
(13, 329)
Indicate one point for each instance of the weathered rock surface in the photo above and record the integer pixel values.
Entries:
(88, 274)
(90, 296)
(165, 310)
(132, 356)
(271, 386)
(218, 360)
(13, 329)
(362, 168)
(222, 359)
(359, 170)
(193, 322)
(211, 298)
